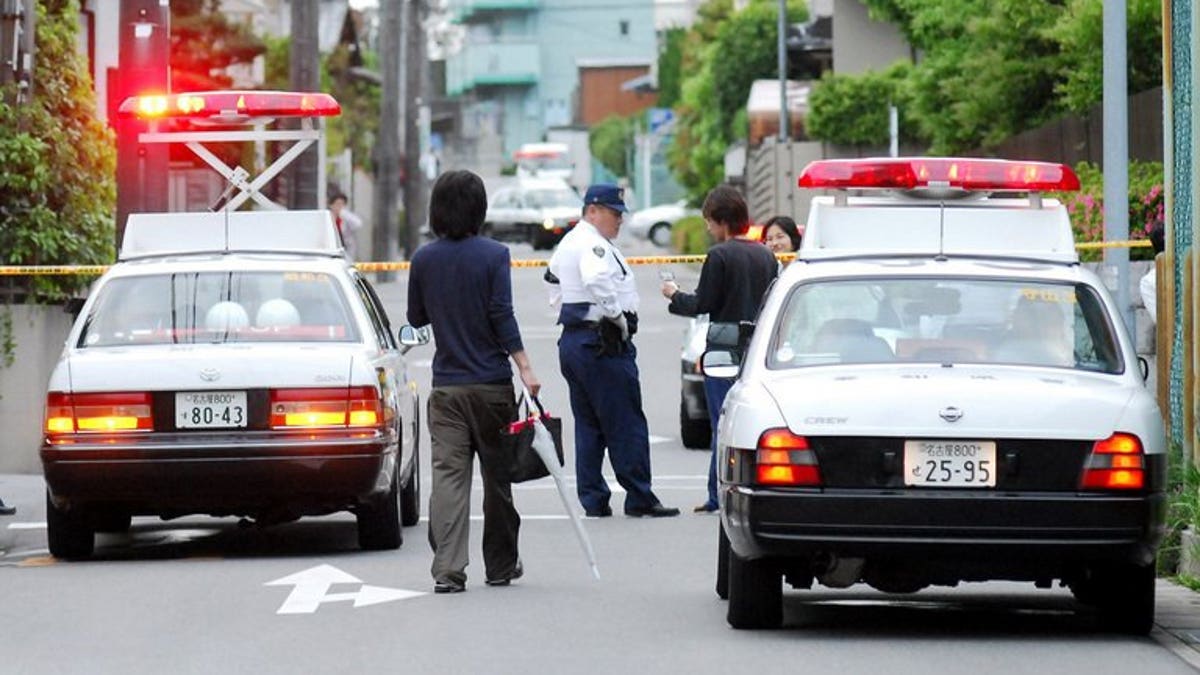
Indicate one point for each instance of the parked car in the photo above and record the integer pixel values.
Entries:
(231, 364)
(937, 392)
(538, 210)
(655, 222)
(695, 430)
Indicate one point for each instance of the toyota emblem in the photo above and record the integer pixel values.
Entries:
(210, 374)
(950, 414)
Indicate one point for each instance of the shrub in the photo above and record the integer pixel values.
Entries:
(1086, 207)
(689, 236)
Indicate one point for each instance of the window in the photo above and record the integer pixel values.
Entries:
(945, 321)
(624, 27)
(218, 307)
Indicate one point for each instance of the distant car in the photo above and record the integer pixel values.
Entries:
(538, 210)
(655, 222)
(231, 365)
(694, 427)
(937, 392)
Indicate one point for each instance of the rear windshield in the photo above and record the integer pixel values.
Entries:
(945, 321)
(217, 307)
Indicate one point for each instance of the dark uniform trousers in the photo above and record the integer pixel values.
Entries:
(465, 420)
(606, 400)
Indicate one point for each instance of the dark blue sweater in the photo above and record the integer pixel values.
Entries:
(464, 289)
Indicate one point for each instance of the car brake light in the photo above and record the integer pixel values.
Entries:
(783, 458)
(108, 412)
(326, 407)
(899, 173)
(1116, 463)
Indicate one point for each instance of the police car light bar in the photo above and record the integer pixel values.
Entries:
(219, 106)
(907, 173)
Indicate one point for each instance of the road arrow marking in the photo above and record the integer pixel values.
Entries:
(312, 588)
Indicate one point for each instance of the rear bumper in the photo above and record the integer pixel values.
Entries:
(1003, 531)
(249, 474)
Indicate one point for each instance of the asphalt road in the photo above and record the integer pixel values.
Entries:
(201, 595)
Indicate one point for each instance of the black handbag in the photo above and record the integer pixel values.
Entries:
(516, 442)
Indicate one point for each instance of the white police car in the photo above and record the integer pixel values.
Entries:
(937, 392)
(230, 364)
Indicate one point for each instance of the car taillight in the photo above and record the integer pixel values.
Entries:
(336, 407)
(1116, 463)
(783, 458)
(108, 412)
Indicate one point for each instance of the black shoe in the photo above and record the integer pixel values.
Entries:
(6, 510)
(602, 512)
(448, 587)
(656, 511)
(518, 572)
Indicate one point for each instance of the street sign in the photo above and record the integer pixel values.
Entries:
(660, 119)
(312, 588)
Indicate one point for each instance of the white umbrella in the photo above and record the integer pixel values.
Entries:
(543, 444)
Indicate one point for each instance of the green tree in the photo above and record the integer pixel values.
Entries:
(611, 140)
(670, 67)
(205, 43)
(1080, 35)
(58, 187)
(853, 110)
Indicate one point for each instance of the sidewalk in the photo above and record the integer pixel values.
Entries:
(1177, 621)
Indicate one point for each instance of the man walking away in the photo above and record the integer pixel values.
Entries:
(598, 301)
(461, 285)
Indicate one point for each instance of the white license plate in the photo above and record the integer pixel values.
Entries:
(210, 409)
(950, 463)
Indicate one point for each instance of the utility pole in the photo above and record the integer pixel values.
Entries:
(142, 69)
(387, 146)
(304, 72)
(1116, 150)
(415, 95)
(17, 46)
(781, 48)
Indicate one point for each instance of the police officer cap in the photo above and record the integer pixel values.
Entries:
(606, 194)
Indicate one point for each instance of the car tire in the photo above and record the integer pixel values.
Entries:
(112, 522)
(379, 523)
(1127, 604)
(696, 434)
(410, 492)
(722, 562)
(755, 593)
(660, 234)
(69, 535)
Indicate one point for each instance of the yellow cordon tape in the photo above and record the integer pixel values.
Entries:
(400, 266)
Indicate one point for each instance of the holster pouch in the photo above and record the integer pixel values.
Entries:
(631, 320)
(610, 343)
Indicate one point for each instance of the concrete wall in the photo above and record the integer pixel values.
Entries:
(860, 43)
(39, 332)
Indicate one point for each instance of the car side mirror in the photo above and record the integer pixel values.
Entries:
(721, 364)
(412, 337)
(1144, 367)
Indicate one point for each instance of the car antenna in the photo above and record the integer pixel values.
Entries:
(941, 256)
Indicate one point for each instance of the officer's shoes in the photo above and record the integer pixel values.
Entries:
(656, 511)
(602, 512)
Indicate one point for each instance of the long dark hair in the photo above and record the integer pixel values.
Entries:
(457, 205)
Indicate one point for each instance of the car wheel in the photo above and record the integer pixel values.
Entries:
(722, 562)
(755, 593)
(410, 492)
(1127, 604)
(696, 434)
(379, 523)
(660, 234)
(69, 535)
(112, 522)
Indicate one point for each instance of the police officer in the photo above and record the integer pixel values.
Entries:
(594, 289)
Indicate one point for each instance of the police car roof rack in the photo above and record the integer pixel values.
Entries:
(237, 108)
(967, 225)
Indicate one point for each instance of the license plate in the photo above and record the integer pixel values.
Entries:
(210, 409)
(950, 463)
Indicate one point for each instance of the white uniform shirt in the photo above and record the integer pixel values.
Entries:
(590, 269)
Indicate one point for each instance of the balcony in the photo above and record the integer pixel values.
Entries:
(498, 64)
(470, 11)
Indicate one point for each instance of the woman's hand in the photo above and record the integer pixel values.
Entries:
(669, 288)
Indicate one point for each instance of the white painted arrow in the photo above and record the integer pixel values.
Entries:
(312, 588)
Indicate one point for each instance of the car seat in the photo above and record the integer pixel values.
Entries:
(276, 313)
(854, 341)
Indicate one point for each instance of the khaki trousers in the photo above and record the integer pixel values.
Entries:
(465, 420)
